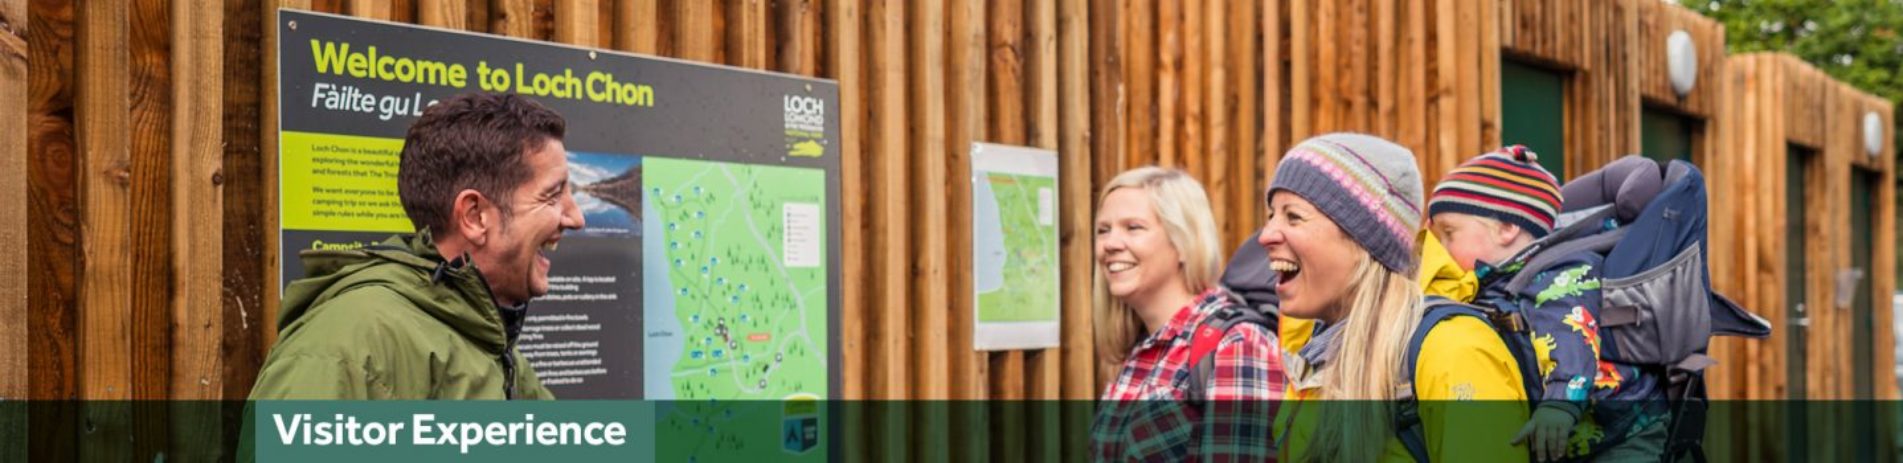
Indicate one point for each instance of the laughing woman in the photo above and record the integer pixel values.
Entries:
(1344, 211)
(1157, 265)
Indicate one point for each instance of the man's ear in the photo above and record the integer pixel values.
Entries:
(469, 218)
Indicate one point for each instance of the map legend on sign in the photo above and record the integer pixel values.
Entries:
(803, 235)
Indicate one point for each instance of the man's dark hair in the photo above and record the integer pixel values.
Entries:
(472, 141)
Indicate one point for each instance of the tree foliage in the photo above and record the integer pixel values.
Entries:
(1859, 42)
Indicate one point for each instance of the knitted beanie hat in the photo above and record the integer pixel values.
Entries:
(1368, 186)
(1506, 185)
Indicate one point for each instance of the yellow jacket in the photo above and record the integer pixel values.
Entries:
(1472, 402)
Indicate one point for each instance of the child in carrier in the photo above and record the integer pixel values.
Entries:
(1491, 213)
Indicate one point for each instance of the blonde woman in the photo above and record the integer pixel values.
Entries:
(1157, 265)
(1344, 211)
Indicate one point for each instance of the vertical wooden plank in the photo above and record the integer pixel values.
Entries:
(53, 232)
(890, 243)
(1446, 80)
(1278, 119)
(1169, 82)
(1005, 105)
(1140, 76)
(747, 33)
(927, 83)
(13, 203)
(1218, 107)
(637, 26)
(1356, 63)
(968, 64)
(197, 177)
(381, 10)
(1042, 62)
(105, 170)
(1007, 402)
(151, 254)
(844, 62)
(105, 314)
(450, 14)
(1245, 66)
(798, 37)
(1046, 365)
(930, 280)
(1295, 17)
(197, 331)
(1075, 150)
(1415, 79)
(514, 18)
(1191, 64)
(1005, 63)
(1327, 85)
(1467, 80)
(1489, 84)
(1109, 113)
(1386, 68)
(695, 37)
(242, 194)
(577, 22)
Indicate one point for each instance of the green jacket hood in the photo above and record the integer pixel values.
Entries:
(452, 291)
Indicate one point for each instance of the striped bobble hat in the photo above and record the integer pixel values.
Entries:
(1368, 186)
(1506, 185)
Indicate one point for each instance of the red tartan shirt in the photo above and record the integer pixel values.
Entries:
(1145, 415)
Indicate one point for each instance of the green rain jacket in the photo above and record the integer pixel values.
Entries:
(395, 321)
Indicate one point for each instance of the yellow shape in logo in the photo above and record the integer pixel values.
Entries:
(807, 149)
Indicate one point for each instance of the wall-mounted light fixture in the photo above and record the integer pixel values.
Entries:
(1681, 58)
(1872, 133)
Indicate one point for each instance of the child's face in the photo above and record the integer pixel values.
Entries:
(1471, 239)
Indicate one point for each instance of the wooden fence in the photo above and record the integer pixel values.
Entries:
(139, 159)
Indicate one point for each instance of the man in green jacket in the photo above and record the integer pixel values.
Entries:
(435, 315)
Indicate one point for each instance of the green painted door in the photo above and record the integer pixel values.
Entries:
(1533, 113)
(1796, 171)
(1863, 185)
(1666, 136)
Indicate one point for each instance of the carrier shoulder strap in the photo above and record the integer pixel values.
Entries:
(1511, 328)
(1208, 336)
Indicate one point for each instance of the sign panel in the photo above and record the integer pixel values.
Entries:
(1014, 247)
(709, 266)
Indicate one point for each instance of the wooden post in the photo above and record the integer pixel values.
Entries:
(105, 168)
(13, 203)
(747, 34)
(637, 26)
(1075, 151)
(578, 22)
(891, 245)
(197, 176)
(514, 18)
(450, 14)
(967, 69)
(844, 53)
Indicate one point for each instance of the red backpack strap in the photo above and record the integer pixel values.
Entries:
(1208, 336)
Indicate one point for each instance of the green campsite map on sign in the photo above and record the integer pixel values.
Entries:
(745, 257)
(1025, 288)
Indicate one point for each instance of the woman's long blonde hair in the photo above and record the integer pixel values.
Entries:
(1360, 384)
(1183, 206)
